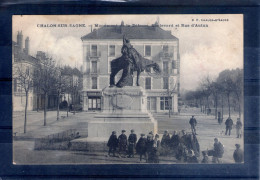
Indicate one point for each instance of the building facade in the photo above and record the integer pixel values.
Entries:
(103, 45)
(22, 60)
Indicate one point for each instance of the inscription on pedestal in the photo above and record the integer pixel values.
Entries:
(122, 101)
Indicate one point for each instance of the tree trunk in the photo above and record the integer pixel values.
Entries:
(25, 111)
(58, 107)
(228, 106)
(222, 108)
(216, 116)
(37, 102)
(45, 108)
(68, 107)
(200, 106)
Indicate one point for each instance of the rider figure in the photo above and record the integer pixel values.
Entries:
(129, 53)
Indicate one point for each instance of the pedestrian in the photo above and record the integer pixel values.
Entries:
(155, 150)
(229, 124)
(112, 143)
(205, 159)
(165, 144)
(122, 143)
(191, 158)
(141, 147)
(239, 128)
(175, 140)
(149, 148)
(219, 118)
(193, 124)
(218, 151)
(238, 154)
(131, 143)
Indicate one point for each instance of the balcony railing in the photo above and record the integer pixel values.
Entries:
(166, 54)
(94, 54)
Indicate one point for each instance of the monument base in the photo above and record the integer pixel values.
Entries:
(123, 109)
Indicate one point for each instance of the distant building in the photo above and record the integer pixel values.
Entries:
(73, 79)
(103, 45)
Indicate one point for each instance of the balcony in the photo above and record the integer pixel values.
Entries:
(94, 54)
(165, 54)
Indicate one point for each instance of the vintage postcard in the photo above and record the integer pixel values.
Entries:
(127, 89)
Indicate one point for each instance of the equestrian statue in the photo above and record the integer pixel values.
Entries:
(129, 62)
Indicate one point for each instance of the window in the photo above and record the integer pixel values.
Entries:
(148, 103)
(94, 66)
(165, 103)
(165, 67)
(148, 83)
(94, 82)
(94, 50)
(148, 50)
(112, 50)
(174, 64)
(165, 48)
(15, 85)
(165, 83)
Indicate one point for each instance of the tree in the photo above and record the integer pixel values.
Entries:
(206, 87)
(237, 78)
(227, 85)
(25, 80)
(44, 78)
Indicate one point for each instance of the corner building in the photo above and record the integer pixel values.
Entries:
(103, 45)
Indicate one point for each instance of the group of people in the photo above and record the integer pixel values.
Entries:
(229, 125)
(184, 146)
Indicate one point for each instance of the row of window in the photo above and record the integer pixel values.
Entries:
(94, 66)
(94, 103)
(148, 83)
(112, 50)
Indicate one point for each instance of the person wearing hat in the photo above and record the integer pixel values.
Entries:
(229, 124)
(193, 124)
(122, 143)
(141, 146)
(218, 151)
(239, 128)
(238, 154)
(166, 140)
(131, 143)
(112, 143)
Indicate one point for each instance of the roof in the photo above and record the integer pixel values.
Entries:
(132, 32)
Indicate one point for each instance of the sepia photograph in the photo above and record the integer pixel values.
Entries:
(128, 89)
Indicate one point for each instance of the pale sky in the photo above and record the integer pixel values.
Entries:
(203, 50)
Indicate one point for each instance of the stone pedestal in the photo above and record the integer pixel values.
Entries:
(123, 108)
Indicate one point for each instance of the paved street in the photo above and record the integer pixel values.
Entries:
(207, 130)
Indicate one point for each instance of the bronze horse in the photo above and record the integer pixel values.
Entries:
(128, 69)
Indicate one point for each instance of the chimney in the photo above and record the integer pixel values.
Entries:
(27, 46)
(20, 41)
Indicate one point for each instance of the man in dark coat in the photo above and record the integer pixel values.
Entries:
(131, 143)
(238, 154)
(175, 140)
(149, 148)
(166, 140)
(229, 124)
(112, 143)
(122, 143)
(218, 151)
(141, 147)
(193, 124)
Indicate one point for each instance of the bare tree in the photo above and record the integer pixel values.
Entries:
(25, 80)
(206, 86)
(45, 79)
